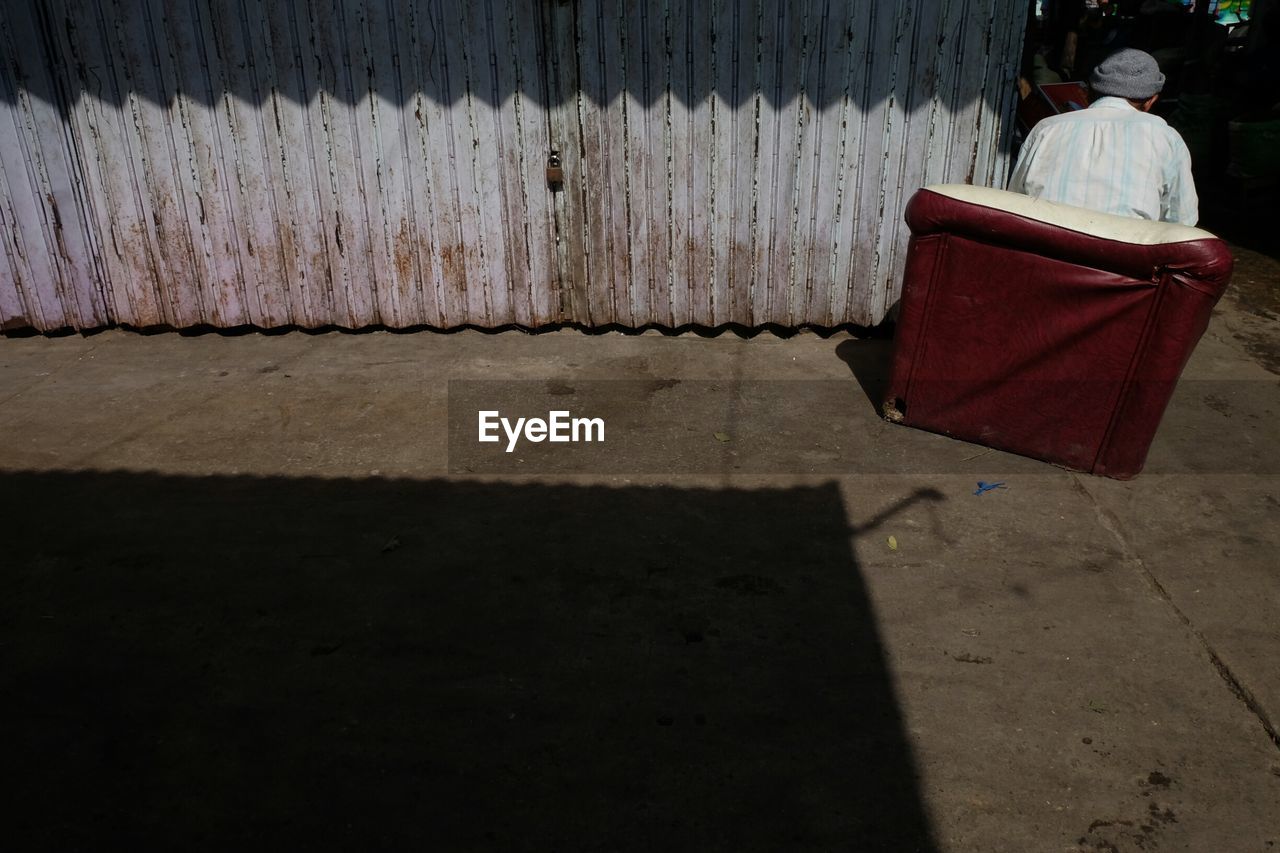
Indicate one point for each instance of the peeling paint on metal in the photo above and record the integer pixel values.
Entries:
(352, 162)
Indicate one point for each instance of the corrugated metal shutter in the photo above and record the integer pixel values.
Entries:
(355, 163)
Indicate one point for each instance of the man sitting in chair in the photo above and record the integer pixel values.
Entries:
(1115, 156)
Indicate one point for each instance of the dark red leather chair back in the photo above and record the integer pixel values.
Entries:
(1047, 330)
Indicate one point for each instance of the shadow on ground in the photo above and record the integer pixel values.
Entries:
(870, 360)
(376, 664)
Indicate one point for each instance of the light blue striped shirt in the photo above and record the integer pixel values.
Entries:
(1112, 158)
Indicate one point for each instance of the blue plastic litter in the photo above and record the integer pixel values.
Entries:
(986, 487)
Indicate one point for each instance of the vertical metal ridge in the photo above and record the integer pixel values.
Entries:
(467, 274)
(917, 157)
(988, 119)
(954, 131)
(46, 308)
(565, 134)
(609, 56)
(533, 109)
(724, 51)
(260, 283)
(679, 159)
(13, 307)
(668, 145)
(630, 223)
(135, 138)
(635, 96)
(317, 263)
(145, 297)
(897, 136)
(510, 158)
(18, 254)
(69, 241)
(586, 219)
(817, 233)
(754, 315)
(104, 286)
(263, 79)
(368, 268)
(257, 192)
(424, 224)
(477, 78)
(839, 288)
(656, 71)
(682, 166)
(591, 212)
(431, 189)
(234, 294)
(609, 164)
(461, 165)
(701, 158)
(850, 259)
(934, 167)
(107, 215)
(177, 288)
(1010, 52)
(204, 244)
(801, 126)
(398, 210)
(389, 301)
(522, 175)
(293, 274)
(746, 159)
(332, 214)
(783, 31)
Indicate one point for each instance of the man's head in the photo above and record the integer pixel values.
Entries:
(1129, 74)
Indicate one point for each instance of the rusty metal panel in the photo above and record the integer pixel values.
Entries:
(49, 278)
(384, 162)
(793, 132)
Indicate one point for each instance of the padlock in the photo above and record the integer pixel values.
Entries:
(555, 172)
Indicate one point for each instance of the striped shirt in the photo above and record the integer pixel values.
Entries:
(1112, 158)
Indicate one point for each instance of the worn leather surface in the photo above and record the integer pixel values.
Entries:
(1127, 229)
(1029, 337)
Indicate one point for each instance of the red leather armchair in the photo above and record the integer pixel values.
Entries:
(1047, 330)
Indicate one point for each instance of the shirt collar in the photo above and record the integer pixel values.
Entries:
(1111, 102)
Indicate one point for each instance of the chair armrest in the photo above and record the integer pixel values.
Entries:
(1136, 248)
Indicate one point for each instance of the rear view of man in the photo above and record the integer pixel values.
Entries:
(1115, 156)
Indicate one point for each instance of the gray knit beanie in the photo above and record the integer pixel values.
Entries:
(1127, 73)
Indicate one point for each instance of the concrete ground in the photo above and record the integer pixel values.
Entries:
(264, 589)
